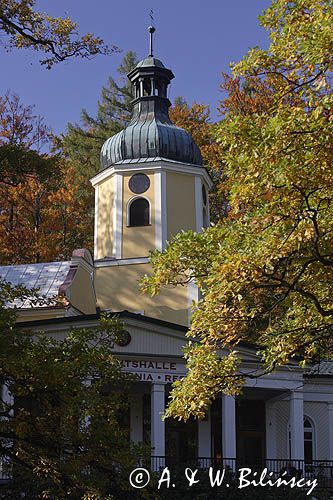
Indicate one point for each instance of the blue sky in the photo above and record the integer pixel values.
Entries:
(196, 39)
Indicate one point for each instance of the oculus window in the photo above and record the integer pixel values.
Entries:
(138, 214)
(139, 183)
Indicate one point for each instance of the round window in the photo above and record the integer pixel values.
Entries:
(139, 183)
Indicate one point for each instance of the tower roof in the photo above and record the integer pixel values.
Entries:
(149, 62)
(150, 135)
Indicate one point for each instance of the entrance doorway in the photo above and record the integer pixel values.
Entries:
(181, 440)
(250, 431)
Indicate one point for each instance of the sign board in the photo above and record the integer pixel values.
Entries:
(152, 370)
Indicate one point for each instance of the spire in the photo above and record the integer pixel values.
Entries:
(151, 31)
(150, 133)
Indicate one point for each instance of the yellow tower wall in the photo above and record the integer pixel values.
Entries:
(181, 214)
(138, 241)
(104, 226)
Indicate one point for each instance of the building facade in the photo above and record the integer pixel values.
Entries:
(153, 184)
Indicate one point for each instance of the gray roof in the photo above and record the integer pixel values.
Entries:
(150, 61)
(322, 368)
(150, 135)
(47, 277)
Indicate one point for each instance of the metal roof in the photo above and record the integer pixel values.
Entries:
(150, 133)
(322, 368)
(47, 277)
(150, 61)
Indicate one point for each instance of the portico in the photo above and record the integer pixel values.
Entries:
(243, 429)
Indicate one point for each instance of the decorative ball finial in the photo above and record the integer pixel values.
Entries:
(151, 31)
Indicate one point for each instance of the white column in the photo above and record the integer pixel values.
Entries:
(330, 429)
(198, 204)
(204, 440)
(271, 451)
(229, 430)
(157, 424)
(296, 424)
(160, 210)
(136, 424)
(118, 216)
(96, 223)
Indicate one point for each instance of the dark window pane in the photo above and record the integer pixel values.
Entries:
(204, 195)
(250, 415)
(308, 452)
(139, 213)
(216, 428)
(146, 421)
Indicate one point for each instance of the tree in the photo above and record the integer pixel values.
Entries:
(83, 143)
(22, 26)
(63, 431)
(265, 270)
(42, 217)
(195, 119)
(23, 135)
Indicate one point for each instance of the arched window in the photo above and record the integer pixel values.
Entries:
(309, 441)
(138, 213)
(309, 448)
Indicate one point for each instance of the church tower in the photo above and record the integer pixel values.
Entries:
(151, 186)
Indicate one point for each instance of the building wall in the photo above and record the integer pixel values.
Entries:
(81, 294)
(181, 213)
(138, 241)
(318, 413)
(117, 288)
(104, 226)
(282, 419)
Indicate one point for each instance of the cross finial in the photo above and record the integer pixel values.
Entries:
(151, 31)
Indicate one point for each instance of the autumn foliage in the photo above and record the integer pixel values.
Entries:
(42, 218)
(22, 26)
(266, 270)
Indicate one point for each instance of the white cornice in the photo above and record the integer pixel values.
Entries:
(153, 166)
(121, 262)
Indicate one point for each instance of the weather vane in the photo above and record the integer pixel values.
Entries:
(151, 31)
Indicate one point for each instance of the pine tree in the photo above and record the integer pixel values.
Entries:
(83, 143)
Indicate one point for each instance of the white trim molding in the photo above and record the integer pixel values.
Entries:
(96, 221)
(121, 262)
(198, 204)
(118, 216)
(160, 210)
(153, 166)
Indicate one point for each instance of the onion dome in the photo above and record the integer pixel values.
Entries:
(150, 135)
